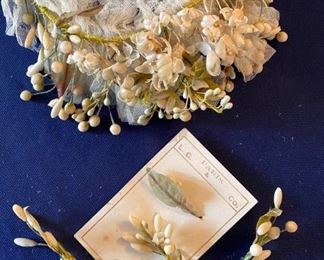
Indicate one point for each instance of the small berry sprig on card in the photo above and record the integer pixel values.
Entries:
(267, 232)
(49, 239)
(153, 240)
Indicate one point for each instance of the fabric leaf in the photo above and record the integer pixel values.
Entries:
(169, 192)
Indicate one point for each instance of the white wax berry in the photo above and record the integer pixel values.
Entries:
(69, 108)
(185, 116)
(106, 102)
(28, 18)
(47, 41)
(38, 87)
(26, 95)
(74, 29)
(83, 126)
(274, 233)
(94, 121)
(34, 69)
(25, 242)
(225, 100)
(229, 86)
(168, 231)
(30, 37)
(169, 249)
(228, 106)
(37, 79)
(63, 115)
(19, 211)
(66, 47)
(282, 37)
(264, 228)
(40, 31)
(256, 250)
(277, 198)
(115, 129)
(57, 67)
(86, 103)
(75, 39)
(291, 227)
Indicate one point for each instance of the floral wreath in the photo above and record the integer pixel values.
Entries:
(145, 57)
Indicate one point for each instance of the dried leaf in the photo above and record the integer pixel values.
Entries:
(169, 192)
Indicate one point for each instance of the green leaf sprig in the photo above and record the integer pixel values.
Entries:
(169, 192)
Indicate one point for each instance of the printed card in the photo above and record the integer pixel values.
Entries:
(212, 189)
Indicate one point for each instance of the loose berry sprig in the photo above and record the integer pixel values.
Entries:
(267, 232)
(48, 238)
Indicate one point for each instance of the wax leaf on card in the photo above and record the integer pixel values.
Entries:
(169, 192)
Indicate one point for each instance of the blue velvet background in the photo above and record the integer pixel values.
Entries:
(273, 137)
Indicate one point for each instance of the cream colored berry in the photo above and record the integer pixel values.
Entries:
(225, 100)
(28, 18)
(115, 129)
(264, 228)
(169, 249)
(255, 250)
(38, 87)
(37, 79)
(185, 116)
(69, 108)
(25, 242)
(66, 47)
(63, 115)
(30, 37)
(277, 198)
(19, 211)
(40, 31)
(80, 117)
(228, 106)
(229, 86)
(47, 41)
(77, 90)
(94, 121)
(86, 103)
(26, 95)
(107, 102)
(291, 227)
(274, 233)
(75, 39)
(83, 126)
(282, 37)
(57, 67)
(74, 29)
